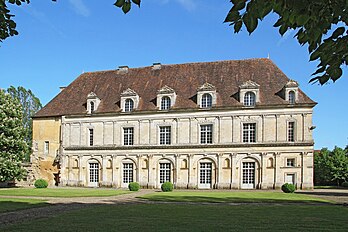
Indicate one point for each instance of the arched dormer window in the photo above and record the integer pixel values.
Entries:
(92, 107)
(292, 97)
(207, 101)
(165, 103)
(128, 105)
(249, 99)
(92, 102)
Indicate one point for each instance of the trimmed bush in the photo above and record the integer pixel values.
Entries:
(288, 188)
(133, 186)
(167, 187)
(345, 184)
(40, 183)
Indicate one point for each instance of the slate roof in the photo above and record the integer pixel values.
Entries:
(184, 79)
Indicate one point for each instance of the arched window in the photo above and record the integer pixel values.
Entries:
(165, 103)
(92, 107)
(292, 97)
(207, 101)
(249, 99)
(128, 105)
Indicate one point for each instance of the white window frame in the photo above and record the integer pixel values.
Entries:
(46, 147)
(207, 100)
(128, 105)
(249, 99)
(291, 129)
(206, 133)
(249, 132)
(164, 172)
(292, 97)
(290, 162)
(90, 137)
(165, 133)
(127, 172)
(128, 136)
(165, 103)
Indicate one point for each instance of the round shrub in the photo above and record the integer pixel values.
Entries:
(345, 184)
(40, 183)
(167, 187)
(288, 188)
(133, 186)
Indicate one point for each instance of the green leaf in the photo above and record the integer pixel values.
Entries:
(232, 16)
(334, 72)
(302, 19)
(283, 29)
(250, 22)
(315, 55)
(238, 26)
(119, 3)
(319, 70)
(136, 2)
(323, 79)
(126, 7)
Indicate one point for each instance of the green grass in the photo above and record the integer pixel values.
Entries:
(230, 197)
(330, 187)
(174, 217)
(12, 204)
(61, 192)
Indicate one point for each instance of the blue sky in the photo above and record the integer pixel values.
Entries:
(59, 41)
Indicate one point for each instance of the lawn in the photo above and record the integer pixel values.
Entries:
(61, 192)
(179, 217)
(12, 204)
(233, 197)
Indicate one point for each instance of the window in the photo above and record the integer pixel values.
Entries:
(165, 135)
(206, 134)
(92, 107)
(290, 162)
(127, 173)
(46, 147)
(290, 178)
(249, 132)
(164, 172)
(292, 97)
(249, 99)
(128, 105)
(128, 136)
(165, 103)
(90, 137)
(291, 131)
(207, 101)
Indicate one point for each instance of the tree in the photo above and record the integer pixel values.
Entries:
(30, 105)
(12, 144)
(339, 166)
(320, 24)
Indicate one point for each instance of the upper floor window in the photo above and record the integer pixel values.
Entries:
(92, 107)
(249, 99)
(165, 135)
(249, 132)
(291, 131)
(290, 162)
(91, 135)
(128, 105)
(207, 101)
(46, 147)
(128, 136)
(292, 97)
(165, 103)
(206, 134)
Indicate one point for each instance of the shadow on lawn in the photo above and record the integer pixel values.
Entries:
(325, 193)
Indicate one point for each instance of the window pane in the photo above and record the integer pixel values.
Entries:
(249, 99)
(206, 134)
(91, 134)
(165, 135)
(207, 101)
(165, 103)
(127, 172)
(249, 132)
(292, 97)
(128, 136)
(291, 131)
(129, 105)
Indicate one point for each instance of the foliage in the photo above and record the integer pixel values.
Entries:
(40, 183)
(133, 186)
(331, 167)
(12, 144)
(345, 184)
(167, 187)
(30, 105)
(288, 188)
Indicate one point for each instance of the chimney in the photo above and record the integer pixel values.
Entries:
(62, 88)
(123, 69)
(156, 66)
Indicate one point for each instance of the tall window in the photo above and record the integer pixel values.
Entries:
(164, 172)
(249, 99)
(46, 147)
(165, 103)
(291, 131)
(164, 134)
(206, 134)
(92, 107)
(249, 132)
(91, 134)
(207, 101)
(128, 136)
(128, 105)
(292, 97)
(127, 172)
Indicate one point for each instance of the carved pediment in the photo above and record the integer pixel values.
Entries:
(92, 95)
(128, 92)
(207, 87)
(165, 89)
(249, 85)
(291, 84)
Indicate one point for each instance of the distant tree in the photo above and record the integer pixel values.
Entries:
(339, 166)
(13, 147)
(322, 162)
(30, 105)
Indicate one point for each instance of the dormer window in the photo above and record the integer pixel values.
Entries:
(290, 92)
(166, 97)
(207, 101)
(292, 97)
(129, 100)
(165, 103)
(92, 102)
(92, 107)
(128, 105)
(249, 99)
(206, 95)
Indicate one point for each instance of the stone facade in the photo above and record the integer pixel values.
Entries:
(244, 147)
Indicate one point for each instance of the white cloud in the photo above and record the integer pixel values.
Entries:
(80, 8)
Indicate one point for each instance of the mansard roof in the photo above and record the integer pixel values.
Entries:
(185, 79)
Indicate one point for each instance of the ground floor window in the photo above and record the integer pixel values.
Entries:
(164, 172)
(248, 180)
(93, 172)
(290, 178)
(127, 172)
(205, 175)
